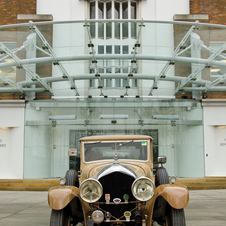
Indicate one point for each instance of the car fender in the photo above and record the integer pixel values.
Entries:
(59, 197)
(176, 195)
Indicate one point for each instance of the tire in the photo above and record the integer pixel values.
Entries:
(72, 178)
(60, 218)
(175, 217)
(161, 177)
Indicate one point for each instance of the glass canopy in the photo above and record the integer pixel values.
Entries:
(152, 58)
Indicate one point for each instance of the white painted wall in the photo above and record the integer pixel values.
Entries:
(163, 9)
(62, 10)
(215, 137)
(11, 139)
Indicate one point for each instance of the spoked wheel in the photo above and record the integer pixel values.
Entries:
(60, 218)
(175, 217)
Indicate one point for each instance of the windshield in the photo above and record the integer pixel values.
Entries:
(126, 149)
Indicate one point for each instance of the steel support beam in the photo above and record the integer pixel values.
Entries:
(180, 46)
(133, 60)
(46, 46)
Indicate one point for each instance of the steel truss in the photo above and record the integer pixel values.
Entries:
(199, 85)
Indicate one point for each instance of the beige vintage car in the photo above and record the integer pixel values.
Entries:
(118, 186)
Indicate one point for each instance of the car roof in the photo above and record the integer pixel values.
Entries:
(116, 137)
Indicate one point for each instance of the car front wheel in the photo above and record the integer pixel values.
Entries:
(60, 218)
(175, 217)
(161, 176)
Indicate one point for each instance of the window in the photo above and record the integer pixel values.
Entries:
(113, 10)
(9, 72)
(112, 35)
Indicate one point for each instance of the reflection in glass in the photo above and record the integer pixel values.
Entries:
(117, 10)
(133, 30)
(125, 30)
(100, 49)
(101, 30)
(135, 150)
(133, 10)
(125, 49)
(108, 64)
(125, 10)
(117, 30)
(108, 30)
(92, 10)
(124, 82)
(100, 10)
(117, 82)
(92, 30)
(108, 49)
(109, 10)
(109, 82)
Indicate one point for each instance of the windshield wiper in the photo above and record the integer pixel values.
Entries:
(125, 143)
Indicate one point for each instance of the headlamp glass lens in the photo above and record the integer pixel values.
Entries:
(90, 190)
(143, 189)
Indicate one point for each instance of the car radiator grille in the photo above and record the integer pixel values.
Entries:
(117, 185)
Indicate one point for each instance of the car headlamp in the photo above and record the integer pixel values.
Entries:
(62, 181)
(143, 189)
(173, 179)
(90, 190)
(97, 216)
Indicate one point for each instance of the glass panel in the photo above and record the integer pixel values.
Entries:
(92, 30)
(108, 63)
(109, 82)
(127, 149)
(100, 10)
(133, 30)
(134, 82)
(125, 64)
(92, 71)
(92, 82)
(100, 49)
(117, 66)
(9, 72)
(117, 30)
(117, 82)
(92, 10)
(109, 68)
(117, 10)
(47, 156)
(125, 82)
(125, 49)
(117, 50)
(108, 49)
(125, 30)
(108, 30)
(101, 30)
(133, 10)
(101, 66)
(109, 10)
(125, 10)
(117, 69)
(102, 82)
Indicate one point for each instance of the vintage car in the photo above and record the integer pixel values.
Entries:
(118, 185)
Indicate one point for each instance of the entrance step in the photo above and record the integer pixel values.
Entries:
(206, 183)
(28, 184)
(46, 184)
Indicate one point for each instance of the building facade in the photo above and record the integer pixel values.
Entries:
(81, 68)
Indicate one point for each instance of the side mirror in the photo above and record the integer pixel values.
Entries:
(162, 159)
(72, 152)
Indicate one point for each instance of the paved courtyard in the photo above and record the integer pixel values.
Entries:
(21, 208)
